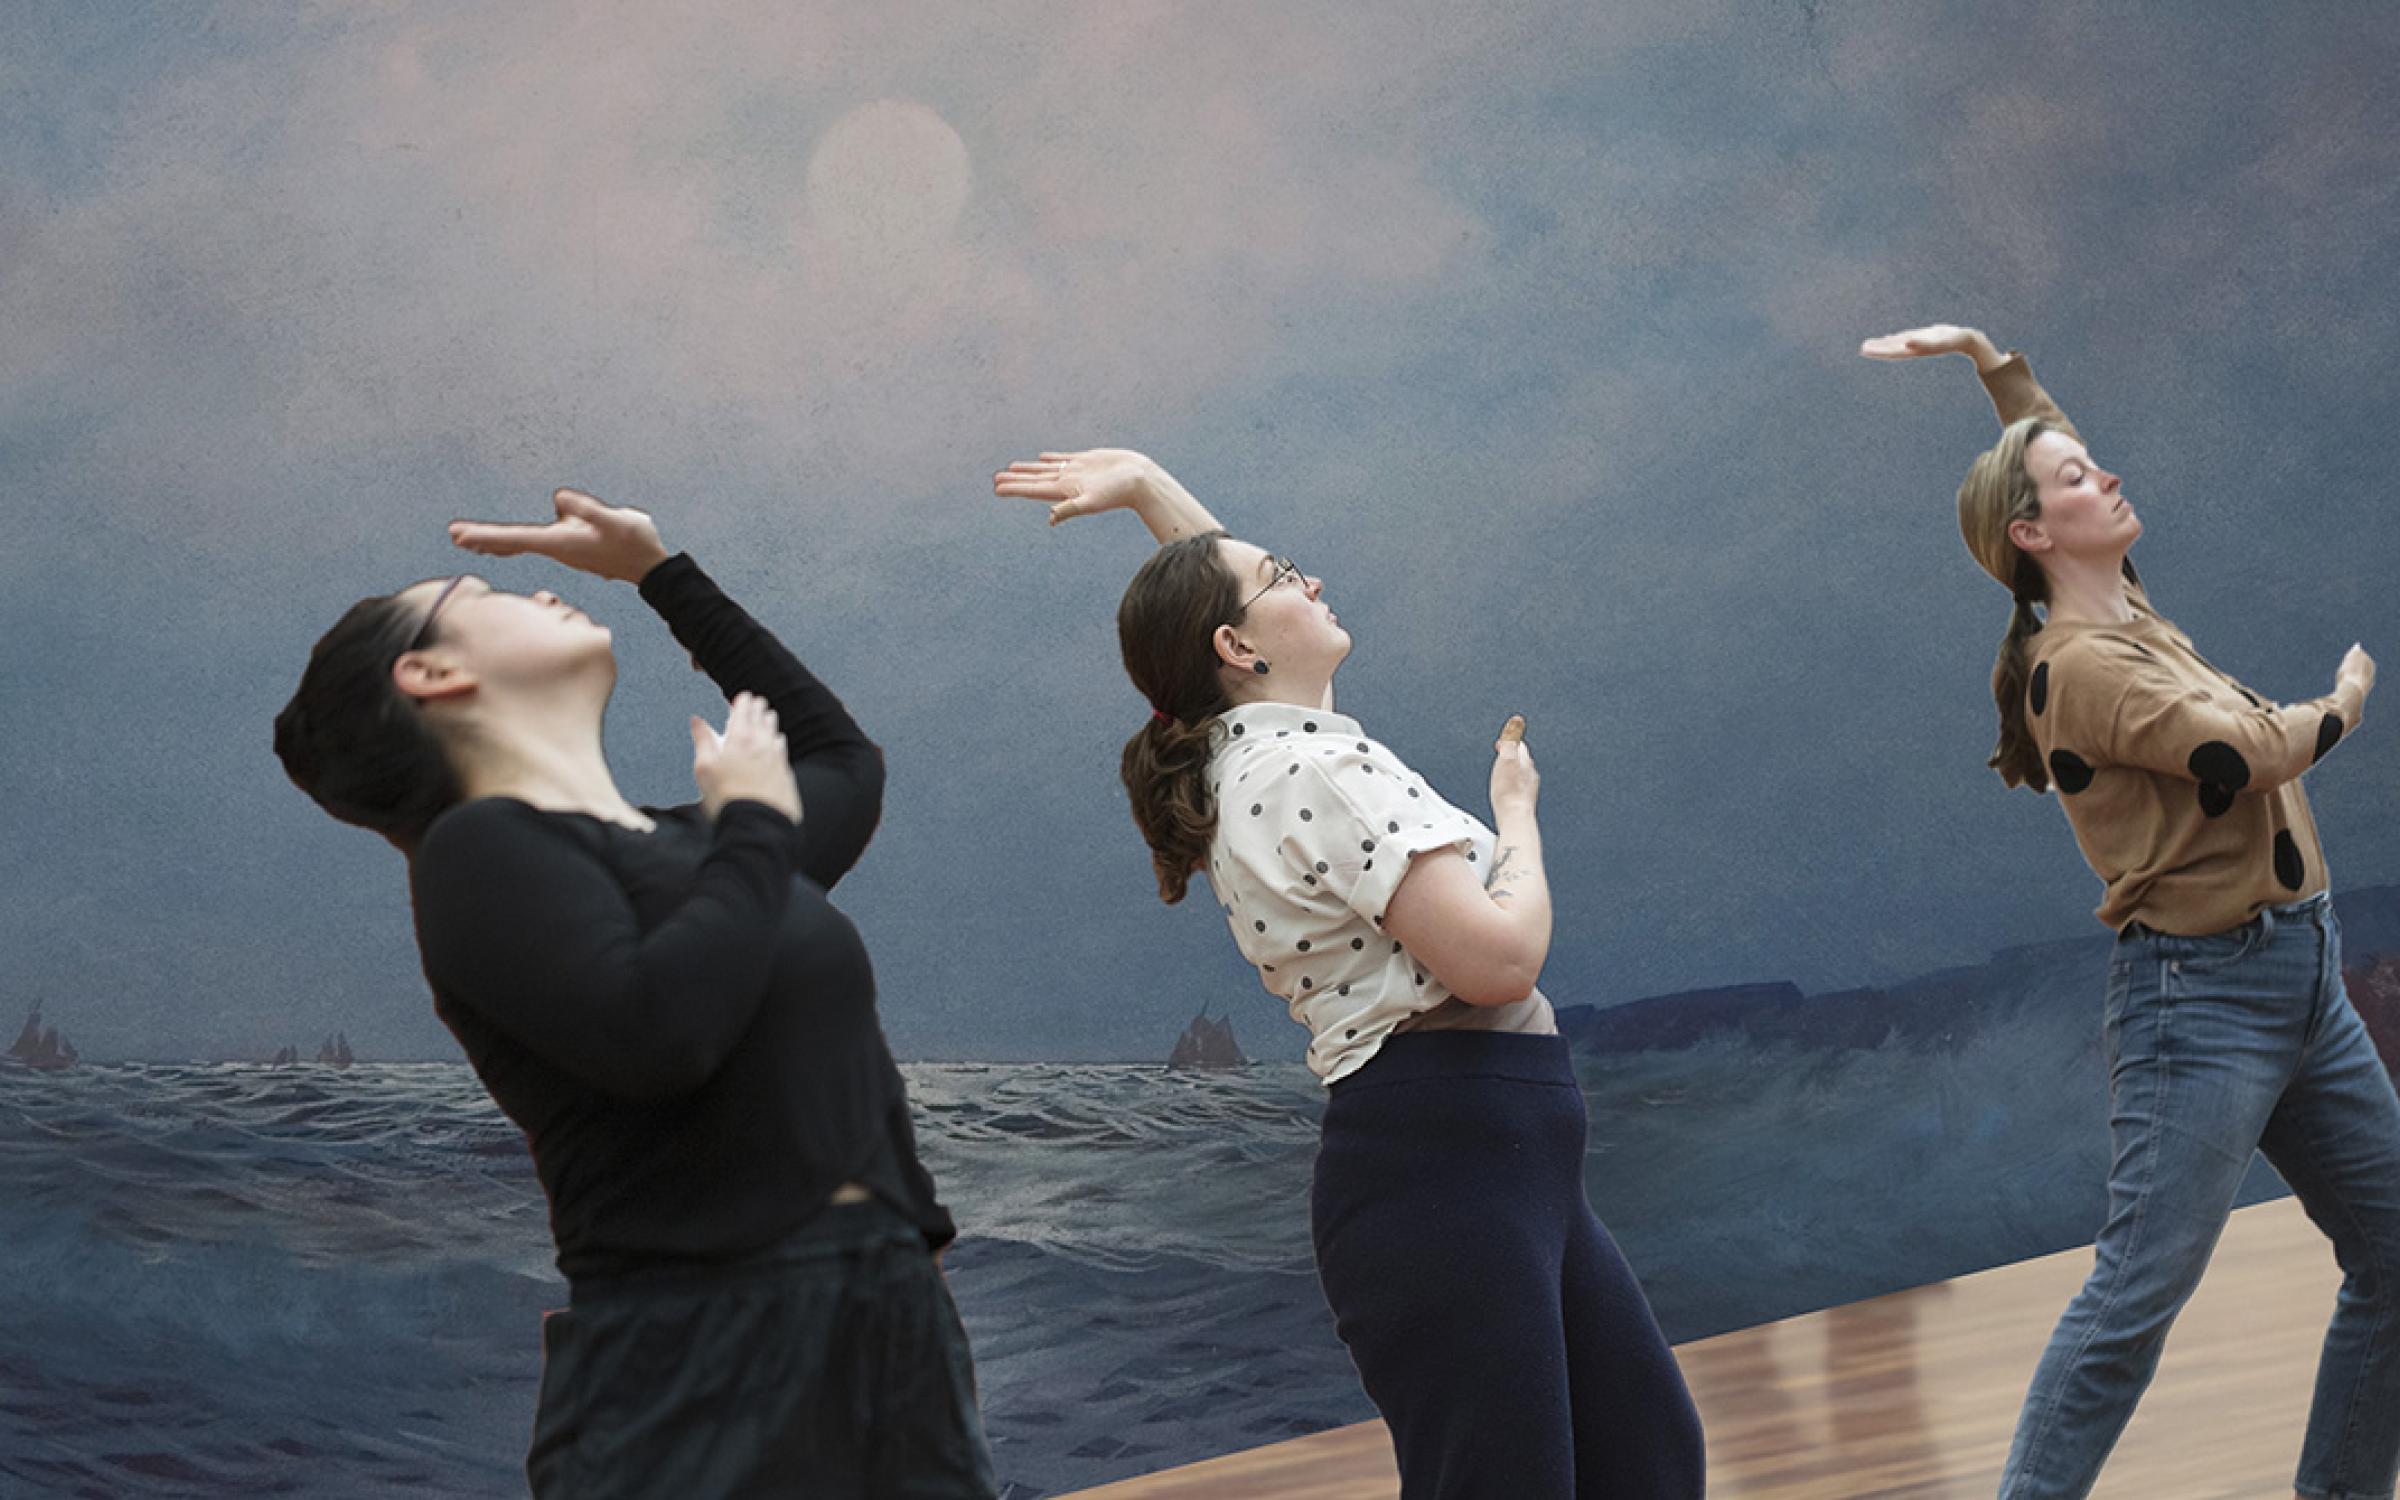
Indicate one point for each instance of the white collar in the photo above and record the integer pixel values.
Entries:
(1247, 719)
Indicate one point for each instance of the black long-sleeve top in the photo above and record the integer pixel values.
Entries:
(680, 1021)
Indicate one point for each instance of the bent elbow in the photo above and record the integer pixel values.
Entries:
(1500, 984)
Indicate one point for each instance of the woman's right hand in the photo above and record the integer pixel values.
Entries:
(1080, 484)
(2356, 664)
(749, 761)
(1515, 782)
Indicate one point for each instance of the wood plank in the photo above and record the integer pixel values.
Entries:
(1913, 1396)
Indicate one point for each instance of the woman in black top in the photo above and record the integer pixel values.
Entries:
(667, 1003)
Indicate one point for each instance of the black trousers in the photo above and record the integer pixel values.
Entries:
(1493, 1322)
(831, 1365)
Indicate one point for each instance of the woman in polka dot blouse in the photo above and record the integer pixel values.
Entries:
(1491, 1317)
(2226, 1025)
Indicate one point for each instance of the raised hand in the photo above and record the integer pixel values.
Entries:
(1515, 782)
(590, 536)
(1080, 484)
(748, 761)
(1934, 338)
(2356, 664)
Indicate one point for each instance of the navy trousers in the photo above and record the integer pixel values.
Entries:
(1493, 1322)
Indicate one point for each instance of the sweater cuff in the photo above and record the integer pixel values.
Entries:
(2011, 386)
(668, 579)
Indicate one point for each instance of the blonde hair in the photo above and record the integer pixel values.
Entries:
(1997, 493)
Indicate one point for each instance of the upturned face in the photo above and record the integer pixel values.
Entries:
(502, 639)
(1286, 621)
(2085, 514)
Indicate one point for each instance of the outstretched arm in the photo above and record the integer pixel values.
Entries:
(2007, 379)
(1098, 479)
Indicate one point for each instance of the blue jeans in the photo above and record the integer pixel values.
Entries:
(2217, 1045)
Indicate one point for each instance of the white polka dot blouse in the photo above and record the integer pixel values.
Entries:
(1316, 824)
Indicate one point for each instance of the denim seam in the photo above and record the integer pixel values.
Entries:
(2133, 1239)
(2383, 1272)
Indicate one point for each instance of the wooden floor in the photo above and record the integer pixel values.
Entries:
(1914, 1395)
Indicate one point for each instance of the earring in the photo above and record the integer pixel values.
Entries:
(1259, 667)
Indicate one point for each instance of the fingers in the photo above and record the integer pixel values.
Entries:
(575, 505)
(1032, 488)
(496, 538)
(1513, 732)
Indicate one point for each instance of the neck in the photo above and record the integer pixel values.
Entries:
(1298, 691)
(552, 761)
(2089, 592)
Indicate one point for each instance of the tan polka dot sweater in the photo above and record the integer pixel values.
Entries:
(2182, 785)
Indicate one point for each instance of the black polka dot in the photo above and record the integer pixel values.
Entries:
(1391, 827)
(1395, 946)
(2215, 800)
(1283, 734)
(2219, 762)
(1305, 815)
(1270, 968)
(1322, 867)
(1311, 879)
(1470, 856)
(1245, 776)
(1307, 983)
(1420, 976)
(1255, 807)
(2290, 868)
(1369, 865)
(2329, 734)
(1368, 846)
(1344, 990)
(1357, 943)
(1291, 770)
(1238, 728)
(1304, 945)
(1366, 770)
(1353, 1031)
(2039, 695)
(1362, 747)
(1309, 725)
(1412, 791)
(1261, 926)
(2071, 771)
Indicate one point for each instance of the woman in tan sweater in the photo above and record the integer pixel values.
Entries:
(2226, 1025)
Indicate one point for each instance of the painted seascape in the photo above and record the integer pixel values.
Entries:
(239, 1279)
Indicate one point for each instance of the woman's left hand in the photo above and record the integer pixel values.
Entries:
(590, 536)
(1080, 484)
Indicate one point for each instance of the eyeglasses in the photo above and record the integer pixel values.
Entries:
(417, 641)
(1284, 568)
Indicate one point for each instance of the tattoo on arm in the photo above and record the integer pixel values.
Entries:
(1495, 887)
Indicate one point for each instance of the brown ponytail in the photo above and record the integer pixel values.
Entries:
(1165, 626)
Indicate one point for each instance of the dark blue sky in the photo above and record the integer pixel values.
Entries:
(1529, 328)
